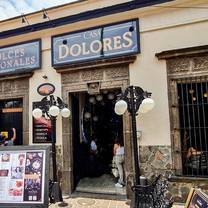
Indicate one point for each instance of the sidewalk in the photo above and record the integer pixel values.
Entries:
(83, 202)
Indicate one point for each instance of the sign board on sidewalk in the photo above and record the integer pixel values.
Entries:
(197, 199)
(24, 176)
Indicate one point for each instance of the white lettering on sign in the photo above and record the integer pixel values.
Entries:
(96, 46)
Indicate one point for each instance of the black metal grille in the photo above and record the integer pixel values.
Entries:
(193, 114)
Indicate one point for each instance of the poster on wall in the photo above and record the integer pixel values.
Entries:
(41, 128)
(197, 198)
(23, 176)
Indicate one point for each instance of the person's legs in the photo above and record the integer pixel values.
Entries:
(119, 164)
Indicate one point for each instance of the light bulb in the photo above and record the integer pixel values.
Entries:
(65, 112)
(120, 107)
(110, 96)
(37, 113)
(146, 105)
(54, 110)
(87, 115)
(99, 97)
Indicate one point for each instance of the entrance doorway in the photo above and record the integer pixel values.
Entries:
(95, 127)
(11, 118)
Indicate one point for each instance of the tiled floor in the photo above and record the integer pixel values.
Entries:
(104, 184)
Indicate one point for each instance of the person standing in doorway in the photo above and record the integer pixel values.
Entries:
(118, 152)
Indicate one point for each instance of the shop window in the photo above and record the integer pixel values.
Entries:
(187, 74)
(192, 108)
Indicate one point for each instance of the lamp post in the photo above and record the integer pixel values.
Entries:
(134, 99)
(50, 106)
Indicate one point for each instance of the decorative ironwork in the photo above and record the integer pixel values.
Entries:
(133, 98)
(49, 107)
(153, 195)
(193, 108)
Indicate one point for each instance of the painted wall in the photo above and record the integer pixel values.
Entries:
(37, 79)
(160, 29)
(174, 29)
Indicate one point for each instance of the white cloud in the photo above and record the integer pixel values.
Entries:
(12, 8)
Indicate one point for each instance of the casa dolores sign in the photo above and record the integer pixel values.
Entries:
(20, 58)
(96, 43)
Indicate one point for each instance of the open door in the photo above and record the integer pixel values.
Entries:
(95, 127)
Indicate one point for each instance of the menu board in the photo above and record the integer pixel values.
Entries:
(23, 175)
(197, 199)
(41, 128)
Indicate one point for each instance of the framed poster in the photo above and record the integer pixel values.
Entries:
(41, 128)
(197, 198)
(24, 176)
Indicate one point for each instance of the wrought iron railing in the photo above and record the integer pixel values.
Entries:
(193, 126)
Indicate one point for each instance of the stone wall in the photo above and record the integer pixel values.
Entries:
(155, 160)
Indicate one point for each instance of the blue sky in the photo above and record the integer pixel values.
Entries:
(12, 8)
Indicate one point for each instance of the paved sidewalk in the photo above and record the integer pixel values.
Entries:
(84, 202)
(81, 202)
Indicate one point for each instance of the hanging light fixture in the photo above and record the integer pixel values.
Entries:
(111, 96)
(105, 91)
(99, 97)
(92, 100)
(87, 115)
(191, 91)
(95, 118)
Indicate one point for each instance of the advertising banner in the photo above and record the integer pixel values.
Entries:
(23, 176)
(41, 128)
(96, 43)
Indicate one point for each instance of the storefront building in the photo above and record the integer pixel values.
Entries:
(91, 51)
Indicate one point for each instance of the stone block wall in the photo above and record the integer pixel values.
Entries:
(155, 160)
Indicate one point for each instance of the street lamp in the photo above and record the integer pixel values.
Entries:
(134, 99)
(51, 106)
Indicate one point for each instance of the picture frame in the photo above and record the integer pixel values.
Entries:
(196, 198)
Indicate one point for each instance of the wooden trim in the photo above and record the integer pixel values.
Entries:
(174, 126)
(12, 110)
